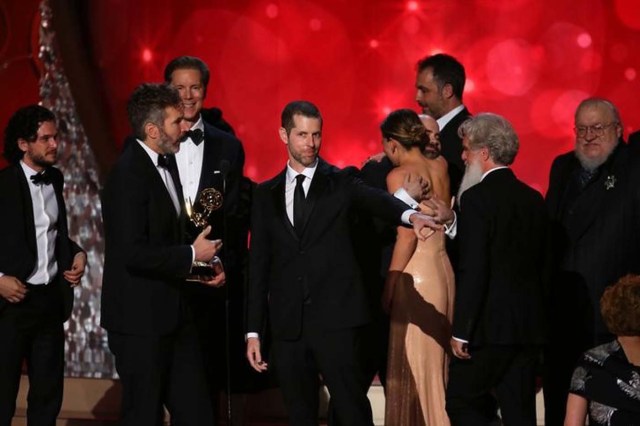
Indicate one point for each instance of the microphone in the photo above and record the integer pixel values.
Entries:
(225, 166)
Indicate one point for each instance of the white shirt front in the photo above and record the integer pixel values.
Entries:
(45, 219)
(445, 119)
(189, 160)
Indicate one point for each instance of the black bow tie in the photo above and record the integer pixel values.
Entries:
(164, 162)
(196, 135)
(41, 178)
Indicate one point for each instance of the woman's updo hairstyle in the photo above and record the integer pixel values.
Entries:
(404, 126)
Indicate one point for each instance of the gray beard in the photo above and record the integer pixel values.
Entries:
(472, 176)
(590, 164)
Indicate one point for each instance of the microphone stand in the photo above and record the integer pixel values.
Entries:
(224, 169)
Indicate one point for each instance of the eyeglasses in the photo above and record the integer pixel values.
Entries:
(597, 129)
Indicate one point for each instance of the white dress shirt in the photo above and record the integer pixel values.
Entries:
(189, 160)
(45, 219)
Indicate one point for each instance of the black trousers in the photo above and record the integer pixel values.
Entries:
(32, 330)
(162, 370)
(333, 354)
(508, 372)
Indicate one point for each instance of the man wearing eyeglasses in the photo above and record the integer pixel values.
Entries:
(594, 203)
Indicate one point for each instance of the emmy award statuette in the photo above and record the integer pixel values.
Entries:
(210, 199)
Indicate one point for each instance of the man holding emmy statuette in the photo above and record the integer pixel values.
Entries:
(149, 321)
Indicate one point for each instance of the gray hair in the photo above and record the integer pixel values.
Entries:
(494, 132)
(599, 102)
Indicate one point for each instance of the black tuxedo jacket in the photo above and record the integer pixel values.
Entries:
(451, 145)
(146, 260)
(500, 282)
(596, 234)
(285, 269)
(223, 153)
(18, 251)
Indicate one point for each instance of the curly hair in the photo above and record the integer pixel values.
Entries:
(24, 124)
(494, 132)
(404, 126)
(147, 105)
(620, 306)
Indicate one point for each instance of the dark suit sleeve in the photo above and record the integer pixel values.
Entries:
(377, 202)
(127, 215)
(473, 272)
(259, 258)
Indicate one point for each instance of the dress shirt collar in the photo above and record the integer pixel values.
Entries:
(151, 153)
(199, 124)
(28, 171)
(485, 174)
(445, 119)
(308, 172)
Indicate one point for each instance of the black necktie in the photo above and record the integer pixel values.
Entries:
(585, 177)
(41, 178)
(196, 135)
(298, 205)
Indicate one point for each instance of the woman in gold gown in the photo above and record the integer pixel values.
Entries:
(419, 290)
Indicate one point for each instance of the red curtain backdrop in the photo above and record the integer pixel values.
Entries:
(529, 60)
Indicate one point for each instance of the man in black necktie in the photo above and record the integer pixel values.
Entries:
(305, 276)
(594, 203)
(144, 308)
(39, 267)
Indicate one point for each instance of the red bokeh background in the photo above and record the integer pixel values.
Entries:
(529, 60)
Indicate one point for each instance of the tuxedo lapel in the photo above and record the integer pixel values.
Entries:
(279, 203)
(317, 188)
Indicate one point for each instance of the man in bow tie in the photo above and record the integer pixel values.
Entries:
(39, 266)
(594, 203)
(144, 306)
(212, 158)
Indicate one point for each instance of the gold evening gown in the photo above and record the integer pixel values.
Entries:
(421, 314)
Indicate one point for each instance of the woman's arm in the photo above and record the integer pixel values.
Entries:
(576, 410)
(404, 247)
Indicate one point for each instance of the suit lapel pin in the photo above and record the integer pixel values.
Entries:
(610, 182)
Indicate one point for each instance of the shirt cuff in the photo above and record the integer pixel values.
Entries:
(251, 334)
(459, 340)
(452, 230)
(402, 195)
(406, 215)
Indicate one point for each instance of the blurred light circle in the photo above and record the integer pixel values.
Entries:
(374, 44)
(630, 74)
(628, 12)
(412, 6)
(315, 24)
(272, 10)
(511, 67)
(584, 40)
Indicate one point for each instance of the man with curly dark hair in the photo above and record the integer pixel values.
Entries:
(39, 266)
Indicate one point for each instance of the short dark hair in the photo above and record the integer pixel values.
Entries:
(24, 124)
(147, 105)
(304, 108)
(190, 63)
(446, 70)
(620, 306)
(405, 126)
